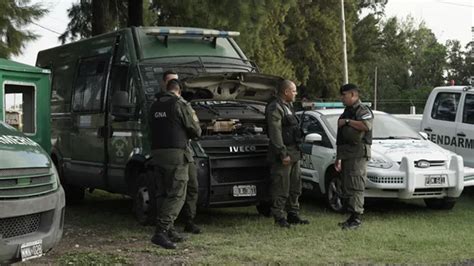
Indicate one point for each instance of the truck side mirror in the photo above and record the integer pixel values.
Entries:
(313, 137)
(122, 109)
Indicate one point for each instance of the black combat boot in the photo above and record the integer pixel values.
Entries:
(282, 222)
(294, 218)
(160, 238)
(174, 236)
(354, 222)
(191, 227)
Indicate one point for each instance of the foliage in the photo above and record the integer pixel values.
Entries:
(14, 16)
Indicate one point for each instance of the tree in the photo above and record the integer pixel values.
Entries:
(14, 16)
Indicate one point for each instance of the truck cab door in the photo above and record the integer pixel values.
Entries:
(440, 122)
(88, 132)
(465, 130)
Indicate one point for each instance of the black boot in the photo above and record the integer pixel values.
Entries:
(191, 227)
(353, 222)
(174, 236)
(294, 218)
(282, 222)
(160, 238)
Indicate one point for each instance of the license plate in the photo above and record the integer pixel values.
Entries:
(245, 191)
(31, 250)
(435, 180)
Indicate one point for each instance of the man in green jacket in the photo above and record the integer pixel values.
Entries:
(173, 123)
(284, 155)
(188, 213)
(354, 139)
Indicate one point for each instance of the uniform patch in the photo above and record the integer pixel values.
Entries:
(195, 118)
(367, 116)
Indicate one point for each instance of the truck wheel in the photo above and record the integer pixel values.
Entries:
(74, 194)
(334, 191)
(264, 208)
(440, 204)
(144, 204)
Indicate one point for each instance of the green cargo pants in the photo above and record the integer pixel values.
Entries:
(285, 188)
(189, 208)
(354, 176)
(171, 178)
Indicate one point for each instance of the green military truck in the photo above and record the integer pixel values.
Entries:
(31, 197)
(102, 89)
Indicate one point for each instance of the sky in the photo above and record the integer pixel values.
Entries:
(448, 19)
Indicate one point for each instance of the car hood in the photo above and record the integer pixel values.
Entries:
(394, 150)
(231, 86)
(18, 151)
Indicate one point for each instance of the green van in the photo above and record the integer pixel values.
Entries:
(102, 89)
(31, 197)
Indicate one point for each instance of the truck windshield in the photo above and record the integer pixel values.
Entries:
(385, 126)
(151, 70)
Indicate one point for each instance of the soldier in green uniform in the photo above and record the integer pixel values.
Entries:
(284, 154)
(354, 138)
(192, 190)
(173, 122)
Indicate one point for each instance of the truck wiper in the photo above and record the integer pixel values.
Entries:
(207, 107)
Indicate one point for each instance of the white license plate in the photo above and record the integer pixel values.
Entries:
(245, 191)
(31, 250)
(435, 180)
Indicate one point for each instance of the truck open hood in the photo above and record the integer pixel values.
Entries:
(18, 151)
(231, 86)
(416, 149)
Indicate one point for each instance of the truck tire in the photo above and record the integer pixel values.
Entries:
(144, 203)
(74, 194)
(440, 204)
(334, 191)
(264, 208)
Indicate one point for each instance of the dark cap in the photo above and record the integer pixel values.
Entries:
(348, 87)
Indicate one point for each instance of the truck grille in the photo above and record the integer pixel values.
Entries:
(20, 225)
(233, 161)
(25, 182)
(432, 163)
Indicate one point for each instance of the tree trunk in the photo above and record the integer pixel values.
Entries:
(135, 13)
(99, 17)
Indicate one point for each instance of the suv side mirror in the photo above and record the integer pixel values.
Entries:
(313, 137)
(122, 109)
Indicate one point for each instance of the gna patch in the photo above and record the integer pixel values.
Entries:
(452, 141)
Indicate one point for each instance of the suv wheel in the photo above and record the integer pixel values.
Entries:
(334, 191)
(440, 204)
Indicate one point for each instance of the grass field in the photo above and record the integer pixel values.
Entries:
(103, 231)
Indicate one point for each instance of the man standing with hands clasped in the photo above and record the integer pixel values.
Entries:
(284, 154)
(354, 139)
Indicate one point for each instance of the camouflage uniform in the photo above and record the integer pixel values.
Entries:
(171, 163)
(353, 149)
(285, 179)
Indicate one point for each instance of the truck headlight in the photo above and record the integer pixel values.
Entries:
(378, 162)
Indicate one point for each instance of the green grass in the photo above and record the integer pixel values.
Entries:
(392, 232)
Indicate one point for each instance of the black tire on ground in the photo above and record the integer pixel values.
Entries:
(144, 203)
(334, 191)
(264, 208)
(440, 204)
(74, 194)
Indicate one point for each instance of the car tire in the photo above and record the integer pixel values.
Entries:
(440, 204)
(74, 194)
(334, 191)
(144, 203)
(264, 208)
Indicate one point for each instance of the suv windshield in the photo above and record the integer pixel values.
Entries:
(151, 70)
(385, 127)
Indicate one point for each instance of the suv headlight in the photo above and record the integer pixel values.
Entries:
(378, 162)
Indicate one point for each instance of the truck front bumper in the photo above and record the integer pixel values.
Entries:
(44, 219)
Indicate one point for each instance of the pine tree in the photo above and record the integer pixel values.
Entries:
(14, 16)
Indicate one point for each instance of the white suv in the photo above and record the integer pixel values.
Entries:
(404, 164)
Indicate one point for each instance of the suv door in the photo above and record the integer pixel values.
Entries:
(88, 131)
(440, 123)
(465, 130)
